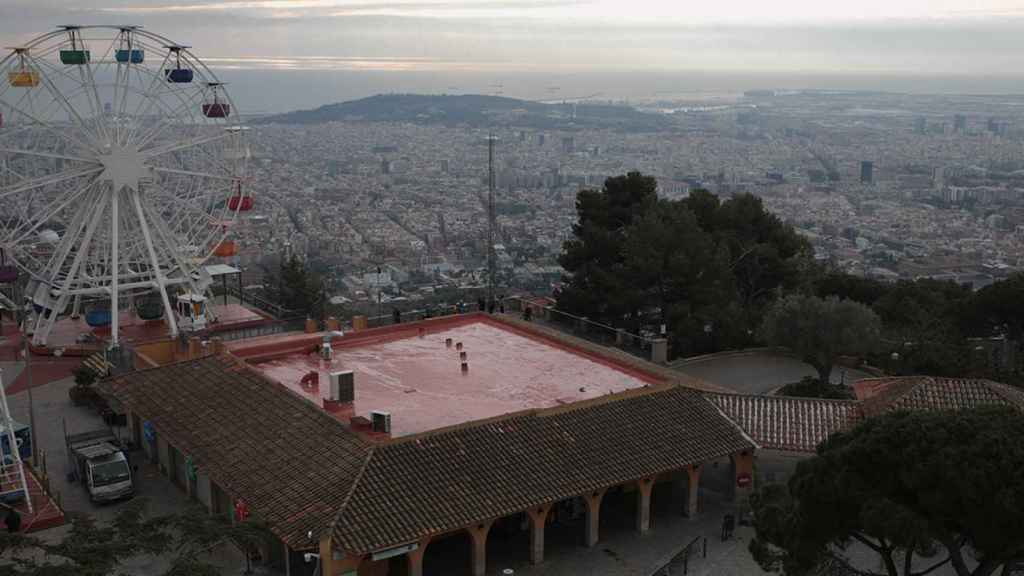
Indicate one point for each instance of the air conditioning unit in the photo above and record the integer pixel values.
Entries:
(380, 421)
(343, 386)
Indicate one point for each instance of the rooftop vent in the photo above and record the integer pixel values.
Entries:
(381, 421)
(343, 386)
(325, 348)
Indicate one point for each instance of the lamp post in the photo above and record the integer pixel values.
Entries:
(380, 296)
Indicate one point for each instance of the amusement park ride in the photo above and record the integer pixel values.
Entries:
(122, 171)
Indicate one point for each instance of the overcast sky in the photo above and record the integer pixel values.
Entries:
(984, 37)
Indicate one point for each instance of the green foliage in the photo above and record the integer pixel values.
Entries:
(928, 322)
(91, 549)
(635, 261)
(84, 376)
(299, 288)
(819, 331)
(942, 486)
(997, 309)
(810, 387)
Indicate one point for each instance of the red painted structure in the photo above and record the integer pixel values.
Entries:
(409, 372)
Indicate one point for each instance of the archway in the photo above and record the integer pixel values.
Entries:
(508, 543)
(449, 555)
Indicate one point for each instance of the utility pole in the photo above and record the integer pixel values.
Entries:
(28, 376)
(491, 256)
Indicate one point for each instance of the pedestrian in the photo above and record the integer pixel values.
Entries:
(528, 314)
(501, 306)
(396, 315)
(728, 525)
(12, 520)
(481, 303)
(490, 307)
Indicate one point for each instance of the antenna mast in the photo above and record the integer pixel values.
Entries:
(491, 139)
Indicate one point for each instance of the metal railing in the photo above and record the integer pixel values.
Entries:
(582, 327)
(697, 546)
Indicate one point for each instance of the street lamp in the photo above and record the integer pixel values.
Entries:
(380, 296)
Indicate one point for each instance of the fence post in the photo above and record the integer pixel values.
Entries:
(620, 336)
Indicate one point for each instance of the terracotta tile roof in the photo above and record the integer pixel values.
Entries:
(928, 393)
(785, 423)
(447, 479)
(290, 461)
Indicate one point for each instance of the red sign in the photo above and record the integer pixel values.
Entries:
(241, 510)
(743, 480)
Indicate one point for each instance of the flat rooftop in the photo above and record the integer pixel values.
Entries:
(408, 371)
(76, 338)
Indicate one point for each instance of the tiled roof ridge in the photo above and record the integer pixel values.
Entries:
(542, 412)
(757, 446)
(851, 401)
(332, 526)
(896, 390)
(134, 371)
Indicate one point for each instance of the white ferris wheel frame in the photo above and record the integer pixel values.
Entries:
(137, 216)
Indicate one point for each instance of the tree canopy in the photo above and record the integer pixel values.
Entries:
(918, 490)
(820, 330)
(93, 549)
(298, 288)
(930, 323)
(702, 267)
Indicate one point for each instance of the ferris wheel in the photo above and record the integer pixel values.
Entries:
(122, 170)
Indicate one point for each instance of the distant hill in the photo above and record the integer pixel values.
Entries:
(475, 110)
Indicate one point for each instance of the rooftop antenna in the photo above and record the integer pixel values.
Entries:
(491, 139)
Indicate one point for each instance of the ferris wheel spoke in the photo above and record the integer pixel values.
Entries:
(170, 241)
(168, 148)
(157, 82)
(56, 94)
(155, 263)
(38, 123)
(193, 173)
(158, 129)
(45, 155)
(98, 209)
(155, 94)
(48, 180)
(56, 207)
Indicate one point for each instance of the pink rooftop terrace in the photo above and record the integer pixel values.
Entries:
(418, 380)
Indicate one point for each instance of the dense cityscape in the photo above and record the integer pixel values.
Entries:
(489, 288)
(884, 185)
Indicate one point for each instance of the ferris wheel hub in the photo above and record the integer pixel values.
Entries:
(124, 166)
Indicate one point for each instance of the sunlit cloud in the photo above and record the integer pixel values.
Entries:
(355, 63)
(569, 12)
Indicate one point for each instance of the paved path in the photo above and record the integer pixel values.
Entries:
(52, 408)
(758, 372)
(626, 553)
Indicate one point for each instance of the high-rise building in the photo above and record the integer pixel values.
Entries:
(867, 172)
(920, 125)
(960, 123)
(540, 140)
(444, 166)
(568, 144)
(385, 166)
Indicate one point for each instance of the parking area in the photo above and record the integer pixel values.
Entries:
(54, 411)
